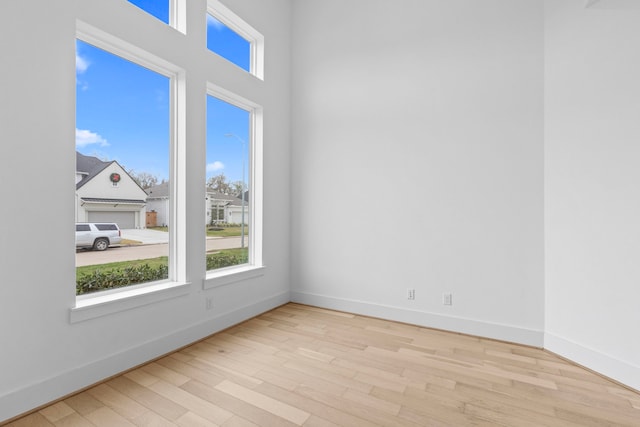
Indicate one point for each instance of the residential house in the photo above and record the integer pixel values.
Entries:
(219, 207)
(226, 208)
(105, 192)
(158, 203)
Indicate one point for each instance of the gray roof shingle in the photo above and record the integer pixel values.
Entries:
(89, 165)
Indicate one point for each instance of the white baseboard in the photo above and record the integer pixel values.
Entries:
(58, 386)
(421, 318)
(618, 370)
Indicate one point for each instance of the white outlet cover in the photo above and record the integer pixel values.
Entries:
(447, 299)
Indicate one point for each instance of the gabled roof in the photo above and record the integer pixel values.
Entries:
(89, 166)
(226, 199)
(159, 191)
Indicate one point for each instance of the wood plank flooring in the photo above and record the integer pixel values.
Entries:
(306, 366)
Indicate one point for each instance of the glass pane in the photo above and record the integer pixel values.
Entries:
(122, 171)
(228, 44)
(227, 191)
(157, 8)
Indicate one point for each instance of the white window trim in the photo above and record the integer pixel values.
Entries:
(112, 44)
(230, 275)
(255, 267)
(178, 15)
(244, 30)
(101, 303)
(91, 306)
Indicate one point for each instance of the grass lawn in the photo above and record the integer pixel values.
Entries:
(235, 252)
(223, 232)
(127, 242)
(228, 232)
(155, 262)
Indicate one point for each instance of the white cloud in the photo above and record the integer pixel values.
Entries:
(213, 22)
(81, 64)
(215, 166)
(82, 84)
(86, 137)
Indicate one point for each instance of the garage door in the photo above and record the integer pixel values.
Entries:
(123, 219)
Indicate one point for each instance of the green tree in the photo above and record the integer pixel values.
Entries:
(220, 184)
(144, 179)
(236, 188)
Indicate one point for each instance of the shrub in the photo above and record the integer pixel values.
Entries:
(223, 259)
(224, 225)
(113, 277)
(100, 280)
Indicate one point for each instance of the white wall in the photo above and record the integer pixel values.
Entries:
(100, 186)
(429, 110)
(161, 206)
(43, 356)
(592, 173)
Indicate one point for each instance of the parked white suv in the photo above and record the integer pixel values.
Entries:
(97, 236)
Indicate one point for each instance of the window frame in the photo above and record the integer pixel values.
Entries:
(88, 306)
(255, 266)
(177, 14)
(244, 30)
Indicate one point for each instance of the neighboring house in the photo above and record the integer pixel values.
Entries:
(158, 202)
(226, 208)
(105, 192)
(218, 207)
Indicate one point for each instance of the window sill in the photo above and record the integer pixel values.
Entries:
(227, 276)
(101, 304)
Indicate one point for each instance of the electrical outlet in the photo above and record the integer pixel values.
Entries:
(209, 303)
(447, 299)
(411, 294)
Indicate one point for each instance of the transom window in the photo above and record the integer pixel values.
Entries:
(157, 8)
(227, 43)
(233, 39)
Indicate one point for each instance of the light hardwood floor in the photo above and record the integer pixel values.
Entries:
(300, 365)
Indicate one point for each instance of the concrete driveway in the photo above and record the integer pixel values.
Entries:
(146, 236)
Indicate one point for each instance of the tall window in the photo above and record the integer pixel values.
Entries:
(227, 186)
(122, 171)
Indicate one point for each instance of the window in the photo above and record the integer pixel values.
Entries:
(217, 213)
(228, 44)
(104, 227)
(227, 184)
(123, 145)
(82, 227)
(233, 39)
(233, 190)
(157, 8)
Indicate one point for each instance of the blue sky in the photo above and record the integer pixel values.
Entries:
(157, 8)
(122, 109)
